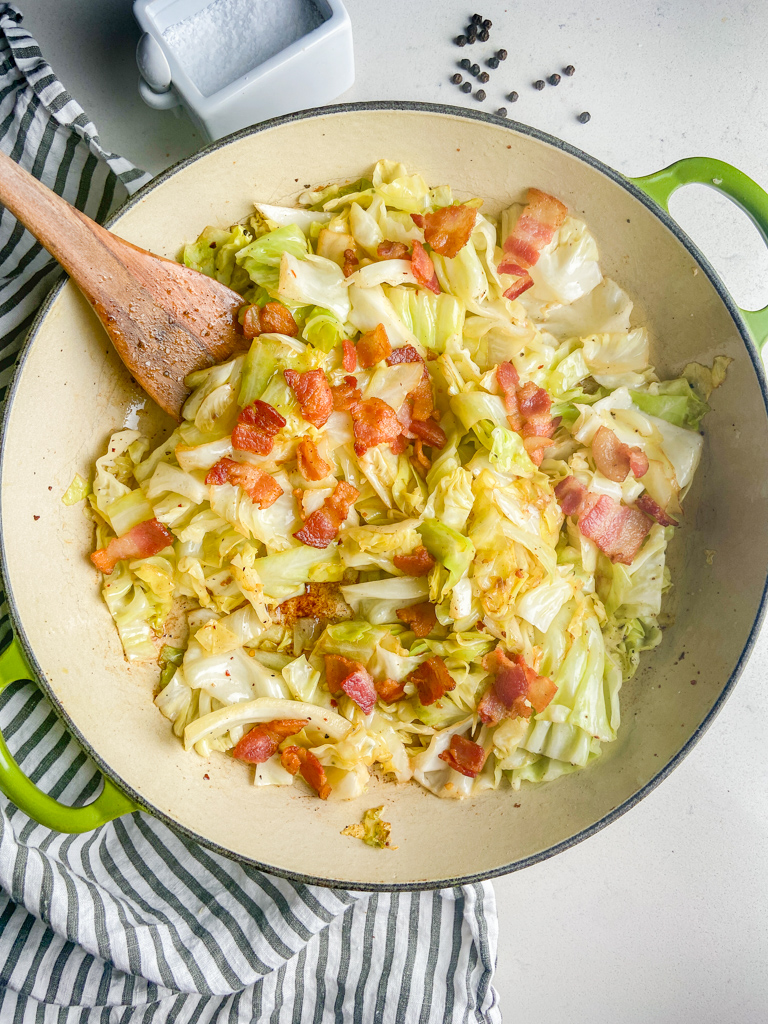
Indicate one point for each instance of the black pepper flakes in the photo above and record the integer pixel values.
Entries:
(584, 116)
(465, 63)
(502, 111)
(487, 23)
(475, 69)
(484, 36)
(457, 79)
(538, 84)
(513, 97)
(493, 62)
(461, 40)
(501, 54)
(554, 79)
(483, 77)
(480, 95)
(570, 70)
(466, 87)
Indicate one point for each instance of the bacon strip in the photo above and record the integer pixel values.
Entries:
(418, 562)
(323, 525)
(423, 268)
(313, 394)
(372, 347)
(272, 318)
(349, 360)
(258, 745)
(615, 459)
(374, 422)
(141, 541)
(646, 504)
(351, 262)
(617, 529)
(432, 680)
(256, 427)
(447, 230)
(528, 411)
(420, 617)
(571, 494)
(516, 692)
(429, 432)
(353, 678)
(309, 461)
(389, 690)
(298, 759)
(346, 395)
(261, 488)
(509, 382)
(464, 756)
(389, 250)
(522, 284)
(404, 354)
(535, 229)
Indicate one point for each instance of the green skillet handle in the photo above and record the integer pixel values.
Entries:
(109, 804)
(731, 182)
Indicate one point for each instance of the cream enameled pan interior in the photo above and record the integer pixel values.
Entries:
(72, 392)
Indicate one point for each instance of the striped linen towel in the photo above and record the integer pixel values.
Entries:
(131, 922)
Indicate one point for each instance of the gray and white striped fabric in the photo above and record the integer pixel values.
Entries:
(132, 923)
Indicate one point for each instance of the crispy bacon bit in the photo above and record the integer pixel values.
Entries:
(535, 229)
(404, 354)
(423, 268)
(349, 361)
(570, 493)
(141, 541)
(273, 318)
(464, 756)
(351, 262)
(528, 411)
(353, 678)
(615, 459)
(522, 284)
(399, 445)
(616, 529)
(337, 669)
(429, 432)
(298, 759)
(372, 347)
(448, 230)
(420, 617)
(516, 692)
(258, 745)
(323, 525)
(374, 422)
(421, 399)
(419, 460)
(432, 680)
(534, 401)
(346, 395)
(388, 250)
(418, 562)
(389, 690)
(261, 488)
(251, 323)
(313, 394)
(311, 465)
(256, 427)
(418, 219)
(509, 381)
(646, 504)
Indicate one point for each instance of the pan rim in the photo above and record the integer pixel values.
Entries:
(460, 113)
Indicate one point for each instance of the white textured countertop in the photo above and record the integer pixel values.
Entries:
(662, 917)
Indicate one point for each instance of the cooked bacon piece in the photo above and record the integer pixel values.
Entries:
(464, 756)
(346, 395)
(522, 284)
(273, 318)
(615, 459)
(571, 493)
(349, 362)
(323, 525)
(533, 401)
(337, 669)
(261, 488)
(388, 250)
(374, 422)
(509, 381)
(528, 411)
(389, 690)
(516, 692)
(616, 529)
(141, 541)
(399, 445)
(646, 504)
(404, 354)
(298, 759)
(418, 562)
(251, 322)
(313, 394)
(429, 432)
(447, 230)
(541, 690)
(422, 403)
(423, 268)
(418, 219)
(311, 464)
(351, 262)
(256, 427)
(535, 229)
(431, 679)
(353, 678)
(420, 617)
(372, 347)
(419, 460)
(258, 745)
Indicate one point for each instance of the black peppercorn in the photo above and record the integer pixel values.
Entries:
(477, 19)
(475, 69)
(502, 111)
(513, 97)
(461, 40)
(554, 79)
(484, 36)
(501, 54)
(466, 64)
(487, 23)
(483, 77)
(466, 87)
(457, 79)
(538, 84)
(493, 62)
(569, 70)
(584, 116)
(480, 95)
(472, 35)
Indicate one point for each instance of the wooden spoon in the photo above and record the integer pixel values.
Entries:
(164, 319)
